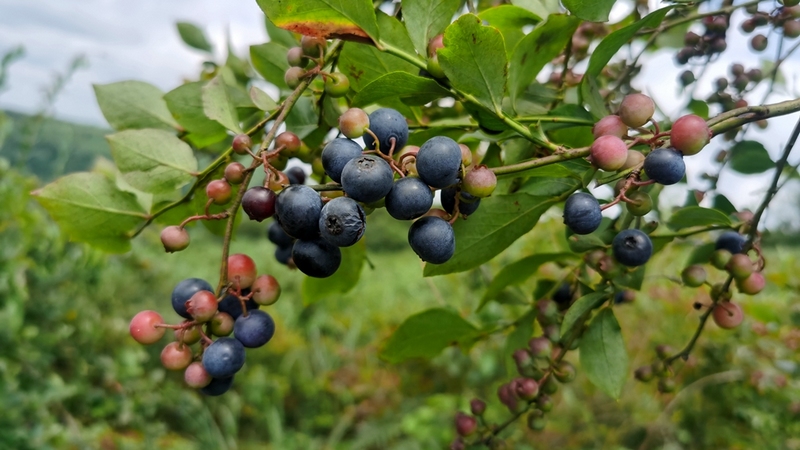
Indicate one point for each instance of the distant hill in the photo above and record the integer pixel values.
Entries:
(48, 147)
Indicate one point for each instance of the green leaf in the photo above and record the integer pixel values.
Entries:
(518, 338)
(218, 106)
(90, 208)
(541, 8)
(499, 222)
(591, 10)
(749, 157)
(602, 354)
(410, 89)
(474, 60)
(345, 279)
(590, 93)
(425, 19)
(269, 60)
(537, 49)
(635, 278)
(614, 41)
(510, 20)
(334, 19)
(262, 100)
(302, 118)
(722, 203)
(193, 36)
(702, 253)
(153, 161)
(425, 334)
(698, 108)
(186, 105)
(549, 187)
(518, 272)
(697, 216)
(581, 306)
(133, 104)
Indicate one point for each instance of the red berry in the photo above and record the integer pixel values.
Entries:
(143, 327)
(636, 109)
(540, 347)
(241, 270)
(174, 238)
(690, 134)
(219, 191)
(610, 126)
(727, 315)
(196, 376)
(242, 143)
(266, 290)
(435, 44)
(465, 425)
(353, 123)
(479, 182)
(477, 406)
(176, 356)
(526, 388)
(752, 285)
(289, 141)
(202, 306)
(609, 153)
(235, 173)
(259, 203)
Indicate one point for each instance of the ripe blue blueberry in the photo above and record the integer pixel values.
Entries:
(467, 204)
(277, 236)
(409, 198)
(367, 178)
(298, 208)
(387, 123)
(255, 329)
(336, 154)
(731, 241)
(224, 357)
(283, 254)
(316, 258)
(582, 213)
(432, 239)
(632, 247)
(439, 161)
(218, 386)
(665, 166)
(233, 306)
(184, 291)
(342, 222)
(296, 175)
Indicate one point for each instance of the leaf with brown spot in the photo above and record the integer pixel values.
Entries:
(341, 19)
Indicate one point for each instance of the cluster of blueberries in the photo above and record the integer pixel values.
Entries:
(310, 231)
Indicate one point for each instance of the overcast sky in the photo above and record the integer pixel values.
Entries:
(138, 40)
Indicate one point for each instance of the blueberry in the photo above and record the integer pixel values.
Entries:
(336, 154)
(632, 247)
(298, 208)
(218, 386)
(296, 175)
(665, 166)
(233, 306)
(283, 254)
(184, 291)
(432, 239)
(731, 241)
(563, 295)
(277, 236)
(224, 357)
(316, 258)
(409, 198)
(439, 161)
(582, 213)
(255, 329)
(387, 123)
(342, 222)
(367, 178)
(467, 204)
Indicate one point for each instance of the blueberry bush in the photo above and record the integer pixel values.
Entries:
(471, 123)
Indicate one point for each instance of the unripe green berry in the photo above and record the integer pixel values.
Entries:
(641, 203)
(565, 372)
(544, 403)
(219, 191)
(296, 58)
(222, 324)
(549, 387)
(666, 385)
(740, 266)
(536, 420)
(633, 159)
(294, 76)
(540, 347)
(720, 258)
(644, 373)
(694, 276)
(664, 351)
(337, 85)
(479, 182)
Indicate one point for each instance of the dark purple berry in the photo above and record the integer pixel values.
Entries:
(296, 175)
(409, 198)
(432, 239)
(342, 222)
(218, 386)
(387, 124)
(632, 247)
(336, 154)
(224, 357)
(283, 254)
(232, 306)
(467, 204)
(255, 329)
(439, 162)
(731, 241)
(316, 258)
(277, 236)
(367, 178)
(298, 208)
(258, 203)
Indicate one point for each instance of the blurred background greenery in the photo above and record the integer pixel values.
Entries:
(71, 377)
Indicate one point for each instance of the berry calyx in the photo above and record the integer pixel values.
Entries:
(479, 182)
(143, 327)
(174, 238)
(636, 109)
(241, 270)
(241, 144)
(353, 123)
(689, 134)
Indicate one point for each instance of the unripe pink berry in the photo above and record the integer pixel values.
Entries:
(610, 126)
(196, 376)
(242, 143)
(609, 153)
(143, 327)
(740, 266)
(222, 324)
(202, 306)
(189, 335)
(636, 109)
(465, 424)
(174, 238)
(219, 191)
(235, 173)
(690, 134)
(241, 270)
(353, 123)
(479, 182)
(266, 290)
(752, 285)
(176, 356)
(694, 276)
(526, 388)
(727, 315)
(634, 159)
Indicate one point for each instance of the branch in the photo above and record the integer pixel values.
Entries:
(740, 116)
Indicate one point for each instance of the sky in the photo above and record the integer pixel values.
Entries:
(123, 42)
